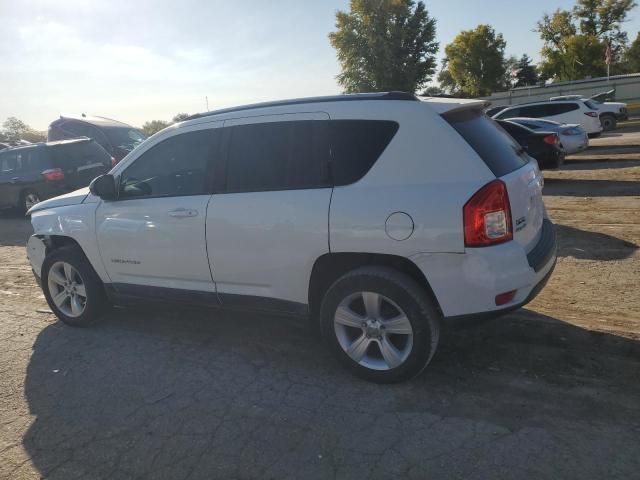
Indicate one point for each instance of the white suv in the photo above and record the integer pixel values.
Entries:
(380, 215)
(582, 112)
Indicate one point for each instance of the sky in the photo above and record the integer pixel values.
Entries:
(150, 59)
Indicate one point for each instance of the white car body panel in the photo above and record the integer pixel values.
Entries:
(140, 243)
(73, 221)
(590, 124)
(264, 244)
(415, 177)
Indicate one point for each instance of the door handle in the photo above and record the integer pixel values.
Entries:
(183, 213)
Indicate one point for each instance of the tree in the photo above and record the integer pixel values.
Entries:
(14, 129)
(385, 45)
(474, 64)
(527, 74)
(575, 41)
(632, 56)
(154, 126)
(180, 117)
(510, 72)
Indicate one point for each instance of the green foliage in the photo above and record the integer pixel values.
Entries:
(527, 74)
(154, 126)
(575, 41)
(632, 56)
(474, 65)
(385, 45)
(14, 129)
(180, 117)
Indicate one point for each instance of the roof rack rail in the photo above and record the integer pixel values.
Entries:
(296, 101)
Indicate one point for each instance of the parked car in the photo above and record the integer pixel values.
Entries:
(573, 111)
(495, 110)
(544, 146)
(336, 207)
(39, 171)
(610, 112)
(117, 138)
(573, 138)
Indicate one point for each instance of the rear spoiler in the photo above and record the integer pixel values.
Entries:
(453, 105)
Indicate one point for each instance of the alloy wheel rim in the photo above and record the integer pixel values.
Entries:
(67, 289)
(373, 331)
(30, 200)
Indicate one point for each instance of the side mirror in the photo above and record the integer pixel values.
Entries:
(104, 187)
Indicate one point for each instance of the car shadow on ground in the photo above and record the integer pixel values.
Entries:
(566, 187)
(171, 394)
(586, 245)
(599, 164)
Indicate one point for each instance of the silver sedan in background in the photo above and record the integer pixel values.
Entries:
(573, 138)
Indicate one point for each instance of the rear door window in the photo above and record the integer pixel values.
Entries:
(499, 151)
(356, 145)
(278, 156)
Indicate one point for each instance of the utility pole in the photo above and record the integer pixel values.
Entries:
(206, 99)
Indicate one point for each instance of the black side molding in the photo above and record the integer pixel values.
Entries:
(545, 249)
(125, 294)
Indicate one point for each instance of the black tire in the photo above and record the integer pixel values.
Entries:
(609, 122)
(96, 303)
(28, 196)
(414, 302)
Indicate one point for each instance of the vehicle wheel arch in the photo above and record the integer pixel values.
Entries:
(331, 266)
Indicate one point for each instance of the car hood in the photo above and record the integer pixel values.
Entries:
(71, 198)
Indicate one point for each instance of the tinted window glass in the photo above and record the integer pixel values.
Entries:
(536, 111)
(499, 151)
(81, 129)
(72, 155)
(560, 108)
(125, 137)
(8, 162)
(278, 156)
(176, 166)
(356, 145)
(511, 113)
(590, 104)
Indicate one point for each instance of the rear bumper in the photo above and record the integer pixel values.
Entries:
(466, 284)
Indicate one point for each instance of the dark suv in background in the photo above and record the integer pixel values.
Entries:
(36, 172)
(117, 138)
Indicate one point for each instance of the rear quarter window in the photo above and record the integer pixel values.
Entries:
(499, 151)
(356, 145)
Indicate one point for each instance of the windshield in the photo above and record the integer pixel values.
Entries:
(590, 104)
(124, 137)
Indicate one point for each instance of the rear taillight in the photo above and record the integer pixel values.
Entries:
(53, 175)
(113, 162)
(487, 216)
(592, 114)
(552, 139)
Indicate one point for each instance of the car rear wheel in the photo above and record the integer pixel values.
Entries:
(72, 288)
(380, 324)
(608, 122)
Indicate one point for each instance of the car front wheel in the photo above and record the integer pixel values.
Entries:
(380, 324)
(72, 288)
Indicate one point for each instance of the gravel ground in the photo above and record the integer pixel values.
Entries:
(550, 391)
